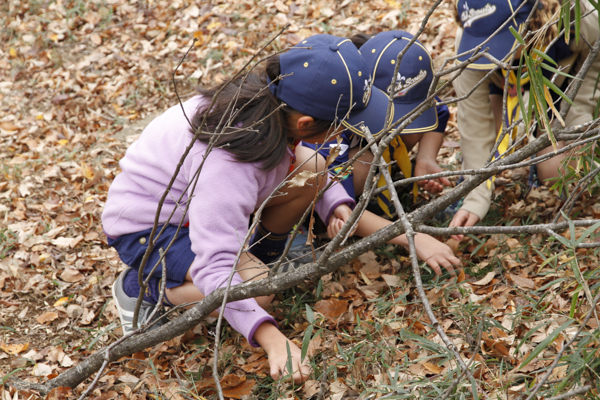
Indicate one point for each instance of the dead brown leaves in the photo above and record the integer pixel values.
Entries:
(74, 81)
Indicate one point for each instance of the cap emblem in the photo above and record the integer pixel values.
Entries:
(367, 91)
(470, 15)
(404, 84)
(343, 147)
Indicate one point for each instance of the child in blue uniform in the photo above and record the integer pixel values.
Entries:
(414, 79)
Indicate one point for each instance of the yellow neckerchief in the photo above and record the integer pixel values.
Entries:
(396, 151)
(512, 114)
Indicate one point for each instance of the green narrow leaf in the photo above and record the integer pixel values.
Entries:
(341, 351)
(597, 7)
(565, 381)
(517, 35)
(520, 95)
(562, 240)
(540, 347)
(530, 333)
(571, 230)
(310, 316)
(306, 342)
(557, 90)
(587, 233)
(560, 19)
(4, 379)
(554, 70)
(536, 83)
(574, 302)
(545, 56)
(549, 259)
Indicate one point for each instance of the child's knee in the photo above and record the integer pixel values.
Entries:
(308, 159)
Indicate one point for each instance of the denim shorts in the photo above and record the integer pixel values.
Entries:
(179, 258)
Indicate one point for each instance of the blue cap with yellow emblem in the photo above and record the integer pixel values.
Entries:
(326, 77)
(481, 18)
(414, 75)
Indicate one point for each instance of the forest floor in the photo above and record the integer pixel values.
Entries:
(78, 82)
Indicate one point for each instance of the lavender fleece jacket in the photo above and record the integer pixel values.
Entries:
(227, 193)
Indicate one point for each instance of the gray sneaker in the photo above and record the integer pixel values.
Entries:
(126, 306)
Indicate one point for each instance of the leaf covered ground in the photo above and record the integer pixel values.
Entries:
(79, 80)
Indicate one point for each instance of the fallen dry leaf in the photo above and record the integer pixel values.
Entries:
(300, 179)
(486, 279)
(41, 369)
(62, 301)
(14, 349)
(332, 308)
(432, 367)
(47, 317)
(243, 389)
(523, 283)
(71, 275)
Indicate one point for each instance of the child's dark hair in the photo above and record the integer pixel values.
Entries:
(359, 39)
(255, 128)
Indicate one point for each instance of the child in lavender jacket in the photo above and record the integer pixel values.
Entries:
(226, 177)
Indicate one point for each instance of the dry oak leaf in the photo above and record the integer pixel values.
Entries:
(391, 280)
(47, 317)
(311, 388)
(71, 275)
(523, 283)
(61, 302)
(486, 279)
(300, 179)
(9, 126)
(42, 369)
(14, 349)
(67, 242)
(59, 393)
(432, 367)
(243, 389)
(232, 380)
(332, 308)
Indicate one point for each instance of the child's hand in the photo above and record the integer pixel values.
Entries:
(436, 253)
(427, 167)
(338, 219)
(276, 344)
(463, 218)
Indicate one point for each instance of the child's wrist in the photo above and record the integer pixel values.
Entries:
(267, 336)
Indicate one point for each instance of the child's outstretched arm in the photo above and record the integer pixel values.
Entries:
(429, 146)
(429, 249)
(275, 344)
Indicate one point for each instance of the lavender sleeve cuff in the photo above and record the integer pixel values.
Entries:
(332, 198)
(250, 337)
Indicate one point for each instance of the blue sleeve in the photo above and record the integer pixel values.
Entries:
(443, 115)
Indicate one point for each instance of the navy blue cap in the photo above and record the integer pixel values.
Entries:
(414, 75)
(481, 18)
(326, 77)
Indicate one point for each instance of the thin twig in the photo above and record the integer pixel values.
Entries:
(575, 392)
